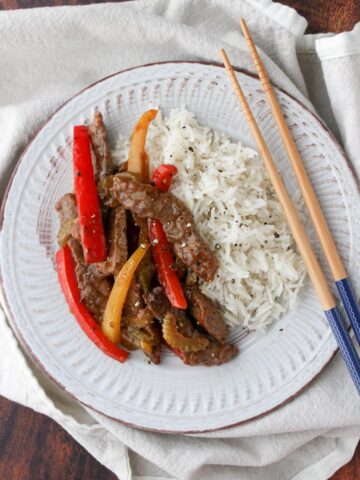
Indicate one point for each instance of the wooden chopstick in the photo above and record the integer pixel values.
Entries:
(308, 193)
(312, 265)
(323, 232)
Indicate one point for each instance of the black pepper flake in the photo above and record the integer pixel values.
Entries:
(78, 173)
(217, 246)
(191, 149)
(276, 235)
(281, 329)
(233, 281)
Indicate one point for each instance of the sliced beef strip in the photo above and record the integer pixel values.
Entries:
(117, 246)
(152, 347)
(68, 214)
(134, 301)
(207, 314)
(146, 268)
(214, 354)
(147, 201)
(94, 287)
(180, 269)
(160, 305)
(66, 207)
(98, 135)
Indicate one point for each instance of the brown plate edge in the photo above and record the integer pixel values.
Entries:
(13, 323)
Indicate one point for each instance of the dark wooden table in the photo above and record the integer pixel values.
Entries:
(33, 447)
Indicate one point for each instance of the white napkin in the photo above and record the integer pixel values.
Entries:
(47, 55)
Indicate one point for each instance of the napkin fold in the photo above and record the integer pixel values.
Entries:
(47, 55)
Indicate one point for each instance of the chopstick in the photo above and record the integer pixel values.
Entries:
(312, 265)
(318, 219)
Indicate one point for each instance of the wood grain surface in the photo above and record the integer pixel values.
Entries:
(33, 447)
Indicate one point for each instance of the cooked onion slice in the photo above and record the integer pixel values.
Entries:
(176, 340)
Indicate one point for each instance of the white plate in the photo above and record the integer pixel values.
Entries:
(271, 368)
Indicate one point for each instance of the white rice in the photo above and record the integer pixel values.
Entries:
(226, 187)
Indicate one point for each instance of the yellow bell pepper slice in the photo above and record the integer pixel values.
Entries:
(111, 325)
(137, 157)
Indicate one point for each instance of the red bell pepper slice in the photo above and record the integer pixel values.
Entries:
(90, 222)
(69, 286)
(160, 247)
(164, 262)
(163, 176)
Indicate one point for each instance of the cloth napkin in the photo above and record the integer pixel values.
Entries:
(47, 55)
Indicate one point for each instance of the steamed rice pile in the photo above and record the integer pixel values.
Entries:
(226, 187)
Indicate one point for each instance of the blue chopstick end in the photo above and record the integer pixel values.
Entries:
(351, 307)
(345, 344)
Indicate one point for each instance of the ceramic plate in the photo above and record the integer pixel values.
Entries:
(271, 367)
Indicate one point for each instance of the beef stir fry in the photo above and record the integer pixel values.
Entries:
(131, 256)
